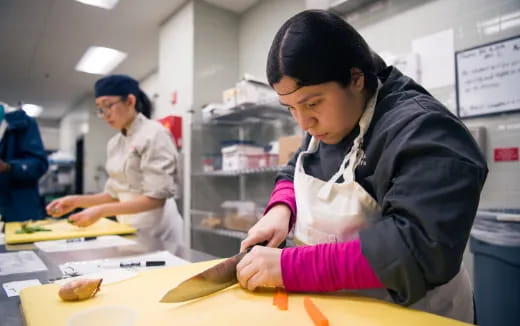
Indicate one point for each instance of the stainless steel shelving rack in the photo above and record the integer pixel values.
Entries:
(263, 122)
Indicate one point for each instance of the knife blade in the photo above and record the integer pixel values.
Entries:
(209, 281)
(213, 279)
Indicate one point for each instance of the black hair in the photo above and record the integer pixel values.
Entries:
(317, 46)
(142, 104)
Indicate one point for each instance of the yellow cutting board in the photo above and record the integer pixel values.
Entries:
(232, 306)
(61, 229)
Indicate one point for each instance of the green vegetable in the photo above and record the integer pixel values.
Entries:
(26, 229)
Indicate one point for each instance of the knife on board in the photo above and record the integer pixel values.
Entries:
(211, 280)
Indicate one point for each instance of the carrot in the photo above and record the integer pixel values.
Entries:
(281, 299)
(317, 317)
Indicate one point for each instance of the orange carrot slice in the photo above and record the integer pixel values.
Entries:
(317, 317)
(281, 299)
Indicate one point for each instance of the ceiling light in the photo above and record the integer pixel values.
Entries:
(100, 60)
(84, 128)
(106, 4)
(32, 110)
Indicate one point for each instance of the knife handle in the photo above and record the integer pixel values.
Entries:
(264, 243)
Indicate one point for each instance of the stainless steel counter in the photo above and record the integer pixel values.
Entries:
(10, 313)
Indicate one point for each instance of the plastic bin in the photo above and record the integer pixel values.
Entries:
(263, 160)
(496, 249)
(235, 157)
(239, 215)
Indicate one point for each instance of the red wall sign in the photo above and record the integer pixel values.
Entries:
(506, 154)
(174, 125)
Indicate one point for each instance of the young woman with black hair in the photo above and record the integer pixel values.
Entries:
(141, 164)
(384, 189)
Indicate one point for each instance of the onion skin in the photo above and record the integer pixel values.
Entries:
(80, 289)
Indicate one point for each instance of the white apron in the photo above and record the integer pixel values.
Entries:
(330, 212)
(164, 222)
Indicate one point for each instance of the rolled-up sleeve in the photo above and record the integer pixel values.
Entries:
(158, 166)
(110, 188)
(428, 210)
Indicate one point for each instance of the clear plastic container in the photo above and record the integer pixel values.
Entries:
(206, 219)
(104, 316)
(239, 215)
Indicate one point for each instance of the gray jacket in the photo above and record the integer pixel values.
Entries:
(426, 172)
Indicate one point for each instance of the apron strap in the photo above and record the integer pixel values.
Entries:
(311, 148)
(324, 192)
(357, 148)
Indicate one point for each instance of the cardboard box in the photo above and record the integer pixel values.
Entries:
(287, 147)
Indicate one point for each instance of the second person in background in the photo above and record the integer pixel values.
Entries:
(141, 165)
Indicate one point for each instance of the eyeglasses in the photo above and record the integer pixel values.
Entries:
(101, 111)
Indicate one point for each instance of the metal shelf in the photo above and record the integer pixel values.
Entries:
(264, 121)
(225, 232)
(252, 113)
(236, 173)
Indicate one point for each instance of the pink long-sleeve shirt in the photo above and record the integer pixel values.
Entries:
(323, 267)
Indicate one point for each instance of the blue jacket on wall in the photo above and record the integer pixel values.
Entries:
(22, 148)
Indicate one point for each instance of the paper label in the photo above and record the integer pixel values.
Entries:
(12, 289)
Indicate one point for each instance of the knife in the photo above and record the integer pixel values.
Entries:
(209, 281)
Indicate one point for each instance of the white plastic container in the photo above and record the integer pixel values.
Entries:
(235, 157)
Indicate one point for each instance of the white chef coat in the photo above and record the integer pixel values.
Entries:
(142, 160)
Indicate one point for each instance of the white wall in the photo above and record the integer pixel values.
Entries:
(216, 53)
(95, 155)
(71, 127)
(82, 120)
(401, 21)
(176, 62)
(50, 137)
(150, 85)
(258, 25)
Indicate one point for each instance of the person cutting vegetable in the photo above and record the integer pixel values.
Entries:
(384, 189)
(141, 164)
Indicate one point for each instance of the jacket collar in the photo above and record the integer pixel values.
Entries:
(134, 126)
(395, 82)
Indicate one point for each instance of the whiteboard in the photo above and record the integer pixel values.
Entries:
(488, 78)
